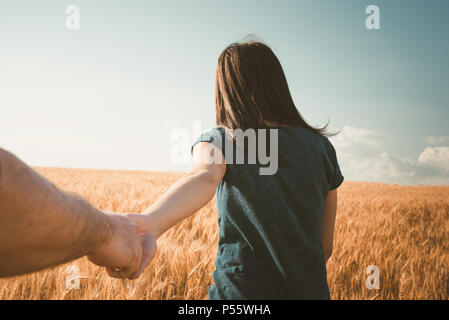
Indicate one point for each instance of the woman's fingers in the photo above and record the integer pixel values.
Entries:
(149, 248)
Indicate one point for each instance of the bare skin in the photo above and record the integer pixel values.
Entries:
(197, 188)
(328, 223)
(189, 194)
(42, 226)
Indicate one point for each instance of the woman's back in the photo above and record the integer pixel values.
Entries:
(270, 225)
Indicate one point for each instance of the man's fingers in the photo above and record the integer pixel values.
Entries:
(127, 258)
(122, 252)
(114, 272)
(119, 273)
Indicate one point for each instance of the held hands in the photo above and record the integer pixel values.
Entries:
(127, 250)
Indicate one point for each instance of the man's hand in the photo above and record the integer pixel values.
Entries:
(42, 226)
(125, 252)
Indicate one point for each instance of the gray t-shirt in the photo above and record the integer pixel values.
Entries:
(270, 225)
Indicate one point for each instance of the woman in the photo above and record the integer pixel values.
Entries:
(276, 230)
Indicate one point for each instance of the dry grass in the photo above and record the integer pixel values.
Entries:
(403, 230)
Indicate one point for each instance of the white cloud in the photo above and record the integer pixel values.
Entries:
(438, 141)
(362, 157)
(366, 142)
(438, 156)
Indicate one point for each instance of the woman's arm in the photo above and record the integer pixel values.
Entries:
(189, 194)
(328, 223)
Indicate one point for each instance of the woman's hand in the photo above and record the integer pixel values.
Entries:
(148, 240)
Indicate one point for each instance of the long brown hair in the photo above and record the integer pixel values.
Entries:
(251, 90)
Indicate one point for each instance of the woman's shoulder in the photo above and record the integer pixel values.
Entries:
(213, 133)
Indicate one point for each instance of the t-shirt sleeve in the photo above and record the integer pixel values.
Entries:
(335, 177)
(213, 136)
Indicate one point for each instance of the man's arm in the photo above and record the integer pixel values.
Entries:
(41, 226)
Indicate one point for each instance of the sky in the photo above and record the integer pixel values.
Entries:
(114, 93)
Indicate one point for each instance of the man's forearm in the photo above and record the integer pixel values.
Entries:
(41, 226)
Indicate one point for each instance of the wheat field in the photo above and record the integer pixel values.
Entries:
(403, 230)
